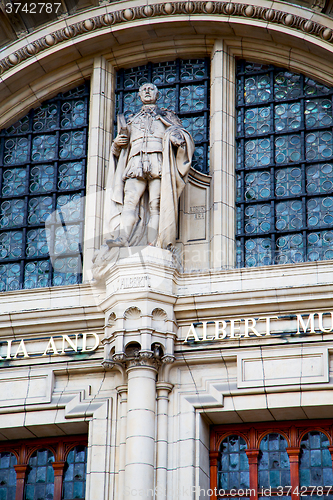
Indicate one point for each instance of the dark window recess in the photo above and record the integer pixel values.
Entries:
(42, 188)
(183, 88)
(284, 167)
(44, 469)
(289, 460)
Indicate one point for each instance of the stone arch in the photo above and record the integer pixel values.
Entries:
(39, 59)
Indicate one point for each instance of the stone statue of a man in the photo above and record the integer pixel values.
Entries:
(150, 158)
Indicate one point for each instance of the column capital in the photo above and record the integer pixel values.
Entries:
(163, 390)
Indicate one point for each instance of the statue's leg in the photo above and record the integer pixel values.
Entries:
(133, 190)
(154, 210)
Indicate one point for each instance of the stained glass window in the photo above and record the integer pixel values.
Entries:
(7, 476)
(273, 463)
(284, 167)
(234, 465)
(315, 462)
(42, 187)
(183, 88)
(40, 478)
(74, 482)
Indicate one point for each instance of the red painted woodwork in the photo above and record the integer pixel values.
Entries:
(21, 471)
(252, 456)
(59, 446)
(252, 433)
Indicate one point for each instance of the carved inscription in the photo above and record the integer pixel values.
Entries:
(198, 211)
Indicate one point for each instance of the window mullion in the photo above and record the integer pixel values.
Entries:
(58, 479)
(21, 471)
(293, 454)
(252, 455)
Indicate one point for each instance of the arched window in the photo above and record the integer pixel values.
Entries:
(183, 88)
(40, 478)
(273, 462)
(7, 475)
(74, 482)
(315, 463)
(277, 463)
(42, 184)
(284, 167)
(234, 466)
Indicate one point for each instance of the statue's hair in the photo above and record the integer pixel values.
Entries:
(148, 83)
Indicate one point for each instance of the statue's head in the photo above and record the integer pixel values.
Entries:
(148, 93)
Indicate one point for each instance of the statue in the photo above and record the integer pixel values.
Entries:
(150, 158)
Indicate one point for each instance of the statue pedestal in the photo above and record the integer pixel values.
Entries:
(139, 339)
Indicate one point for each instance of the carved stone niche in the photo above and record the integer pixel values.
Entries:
(193, 222)
(137, 337)
(194, 211)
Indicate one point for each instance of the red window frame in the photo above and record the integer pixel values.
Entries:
(59, 446)
(252, 433)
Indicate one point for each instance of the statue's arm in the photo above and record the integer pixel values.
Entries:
(122, 139)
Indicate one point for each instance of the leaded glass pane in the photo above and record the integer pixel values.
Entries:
(287, 117)
(257, 153)
(320, 212)
(42, 178)
(312, 88)
(257, 218)
(45, 118)
(257, 185)
(7, 476)
(318, 112)
(40, 478)
(36, 274)
(288, 148)
(234, 466)
(257, 121)
(183, 88)
(315, 463)
(42, 175)
(318, 145)
(15, 150)
(320, 245)
(13, 181)
(288, 215)
(257, 89)
(319, 178)
(289, 248)
(273, 462)
(257, 252)
(74, 482)
(288, 181)
(287, 85)
(292, 172)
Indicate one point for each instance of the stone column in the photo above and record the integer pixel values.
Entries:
(99, 142)
(140, 436)
(163, 390)
(222, 157)
(122, 391)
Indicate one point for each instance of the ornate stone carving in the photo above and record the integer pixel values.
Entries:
(132, 313)
(150, 159)
(165, 9)
(159, 314)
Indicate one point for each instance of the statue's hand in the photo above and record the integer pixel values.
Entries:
(177, 139)
(121, 141)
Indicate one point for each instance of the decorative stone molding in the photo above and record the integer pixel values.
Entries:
(228, 9)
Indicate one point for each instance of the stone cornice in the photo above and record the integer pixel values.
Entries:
(192, 8)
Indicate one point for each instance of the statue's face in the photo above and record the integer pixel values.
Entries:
(148, 93)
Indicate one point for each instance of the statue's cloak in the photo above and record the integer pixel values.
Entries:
(175, 166)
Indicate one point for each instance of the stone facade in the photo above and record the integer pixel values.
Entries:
(147, 393)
